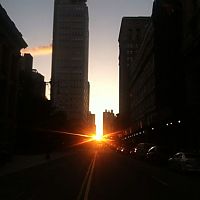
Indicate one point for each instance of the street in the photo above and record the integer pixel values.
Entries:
(93, 171)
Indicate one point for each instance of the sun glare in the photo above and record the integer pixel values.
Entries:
(99, 127)
(98, 138)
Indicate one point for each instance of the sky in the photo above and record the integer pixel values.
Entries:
(34, 19)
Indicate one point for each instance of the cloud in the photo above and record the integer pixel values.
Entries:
(38, 51)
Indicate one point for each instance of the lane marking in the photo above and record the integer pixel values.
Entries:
(160, 181)
(87, 180)
(90, 178)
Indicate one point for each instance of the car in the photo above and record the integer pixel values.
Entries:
(141, 149)
(158, 154)
(122, 149)
(131, 149)
(183, 161)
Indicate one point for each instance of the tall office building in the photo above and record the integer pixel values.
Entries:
(130, 38)
(69, 80)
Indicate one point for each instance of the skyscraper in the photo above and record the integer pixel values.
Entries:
(130, 38)
(69, 80)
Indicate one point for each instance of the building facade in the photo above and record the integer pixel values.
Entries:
(191, 63)
(91, 127)
(11, 42)
(31, 95)
(69, 79)
(39, 86)
(167, 22)
(109, 119)
(164, 84)
(130, 38)
(31, 82)
(142, 84)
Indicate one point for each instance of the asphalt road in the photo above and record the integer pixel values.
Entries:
(95, 172)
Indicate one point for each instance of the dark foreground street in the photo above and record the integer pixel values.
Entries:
(95, 172)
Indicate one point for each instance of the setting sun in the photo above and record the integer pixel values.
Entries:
(99, 126)
(98, 138)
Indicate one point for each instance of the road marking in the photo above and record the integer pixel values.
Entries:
(84, 181)
(160, 181)
(90, 178)
(87, 180)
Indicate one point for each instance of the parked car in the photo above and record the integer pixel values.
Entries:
(120, 149)
(141, 149)
(158, 154)
(132, 149)
(185, 161)
(123, 149)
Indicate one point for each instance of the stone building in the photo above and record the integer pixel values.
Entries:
(142, 84)
(130, 38)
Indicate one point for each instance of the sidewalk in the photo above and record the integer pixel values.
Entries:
(20, 162)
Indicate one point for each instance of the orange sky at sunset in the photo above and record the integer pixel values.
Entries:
(38, 51)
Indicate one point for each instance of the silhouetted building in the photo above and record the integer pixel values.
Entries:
(156, 86)
(87, 99)
(25, 77)
(108, 122)
(130, 38)
(167, 21)
(69, 81)
(142, 84)
(164, 96)
(39, 85)
(26, 64)
(190, 63)
(31, 96)
(32, 83)
(91, 127)
(11, 42)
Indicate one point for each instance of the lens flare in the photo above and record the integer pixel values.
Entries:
(99, 127)
(98, 138)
